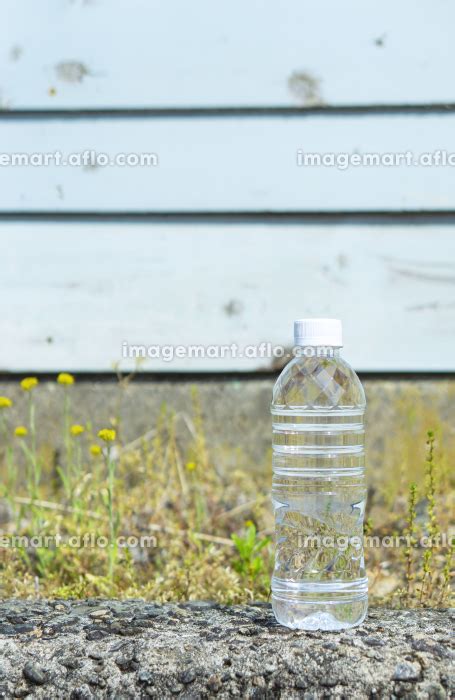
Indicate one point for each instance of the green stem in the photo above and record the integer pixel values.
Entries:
(432, 524)
(11, 472)
(33, 483)
(8, 490)
(35, 469)
(412, 499)
(67, 441)
(112, 519)
(75, 502)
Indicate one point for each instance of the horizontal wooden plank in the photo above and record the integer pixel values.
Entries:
(71, 294)
(150, 53)
(229, 164)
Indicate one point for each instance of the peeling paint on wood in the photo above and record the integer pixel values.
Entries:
(233, 307)
(16, 53)
(306, 88)
(71, 71)
(156, 52)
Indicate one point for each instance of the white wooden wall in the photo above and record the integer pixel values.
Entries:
(225, 94)
(173, 54)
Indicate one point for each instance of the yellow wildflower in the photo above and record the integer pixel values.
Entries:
(249, 523)
(5, 402)
(65, 379)
(21, 431)
(95, 450)
(77, 430)
(191, 466)
(29, 383)
(107, 435)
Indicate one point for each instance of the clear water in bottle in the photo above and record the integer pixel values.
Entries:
(319, 489)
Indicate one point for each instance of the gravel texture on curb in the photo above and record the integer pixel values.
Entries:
(133, 649)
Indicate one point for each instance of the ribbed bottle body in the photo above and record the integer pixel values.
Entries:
(319, 495)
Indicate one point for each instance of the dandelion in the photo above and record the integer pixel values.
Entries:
(29, 383)
(95, 450)
(21, 431)
(191, 466)
(249, 523)
(107, 435)
(65, 379)
(76, 430)
(5, 402)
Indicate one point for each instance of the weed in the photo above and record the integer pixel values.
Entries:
(249, 562)
(411, 532)
(168, 485)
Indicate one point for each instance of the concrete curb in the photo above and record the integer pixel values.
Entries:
(133, 649)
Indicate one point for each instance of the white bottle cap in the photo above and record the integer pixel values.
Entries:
(318, 331)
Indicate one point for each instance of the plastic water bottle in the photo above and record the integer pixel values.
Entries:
(319, 490)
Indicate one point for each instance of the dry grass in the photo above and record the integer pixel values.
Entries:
(209, 525)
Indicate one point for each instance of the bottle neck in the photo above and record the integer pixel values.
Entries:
(323, 351)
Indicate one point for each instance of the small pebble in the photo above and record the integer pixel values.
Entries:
(34, 673)
(188, 676)
(373, 641)
(406, 671)
(99, 613)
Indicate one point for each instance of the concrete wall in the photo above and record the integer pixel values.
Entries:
(236, 415)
